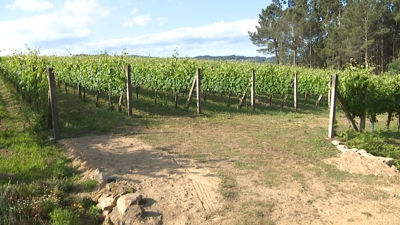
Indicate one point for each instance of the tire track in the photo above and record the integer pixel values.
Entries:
(202, 192)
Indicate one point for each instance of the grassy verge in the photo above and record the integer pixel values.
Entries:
(36, 178)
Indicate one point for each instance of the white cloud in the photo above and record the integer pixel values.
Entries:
(220, 38)
(134, 11)
(138, 20)
(142, 20)
(70, 23)
(85, 7)
(31, 5)
(128, 23)
(161, 21)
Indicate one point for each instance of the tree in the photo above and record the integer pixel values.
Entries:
(267, 34)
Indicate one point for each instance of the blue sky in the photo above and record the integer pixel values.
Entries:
(144, 27)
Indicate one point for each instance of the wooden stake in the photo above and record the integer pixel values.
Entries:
(198, 89)
(319, 100)
(253, 91)
(243, 99)
(346, 111)
(295, 94)
(52, 104)
(331, 132)
(190, 94)
(129, 89)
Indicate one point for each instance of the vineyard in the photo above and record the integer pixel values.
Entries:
(364, 93)
(276, 154)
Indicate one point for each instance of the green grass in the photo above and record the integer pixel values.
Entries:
(36, 177)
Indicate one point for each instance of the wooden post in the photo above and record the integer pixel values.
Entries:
(243, 99)
(346, 111)
(329, 92)
(331, 132)
(295, 83)
(129, 89)
(79, 91)
(198, 89)
(190, 94)
(52, 102)
(253, 91)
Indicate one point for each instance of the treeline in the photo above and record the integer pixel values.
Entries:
(235, 58)
(330, 33)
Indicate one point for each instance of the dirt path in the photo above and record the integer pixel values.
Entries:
(177, 191)
(181, 191)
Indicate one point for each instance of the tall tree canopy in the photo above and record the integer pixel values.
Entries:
(330, 33)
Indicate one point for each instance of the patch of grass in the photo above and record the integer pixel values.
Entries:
(64, 217)
(367, 214)
(228, 186)
(89, 184)
(241, 165)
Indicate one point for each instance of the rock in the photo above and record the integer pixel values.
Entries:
(118, 189)
(114, 218)
(99, 176)
(127, 200)
(343, 148)
(336, 142)
(387, 161)
(107, 204)
(362, 152)
(133, 214)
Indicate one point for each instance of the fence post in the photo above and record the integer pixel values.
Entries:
(253, 91)
(331, 133)
(129, 89)
(52, 104)
(198, 89)
(295, 93)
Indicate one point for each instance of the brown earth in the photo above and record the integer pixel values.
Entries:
(183, 191)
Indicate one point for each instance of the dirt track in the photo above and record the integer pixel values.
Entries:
(181, 191)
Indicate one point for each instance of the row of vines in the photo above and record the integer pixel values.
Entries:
(364, 92)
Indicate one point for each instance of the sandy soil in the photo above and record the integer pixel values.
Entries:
(181, 191)
(178, 191)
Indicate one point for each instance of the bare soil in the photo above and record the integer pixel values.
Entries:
(183, 191)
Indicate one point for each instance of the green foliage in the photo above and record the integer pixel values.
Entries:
(64, 217)
(394, 67)
(374, 143)
(88, 185)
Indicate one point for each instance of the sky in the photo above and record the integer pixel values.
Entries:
(143, 27)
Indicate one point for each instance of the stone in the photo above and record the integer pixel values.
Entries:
(362, 152)
(114, 218)
(119, 189)
(133, 214)
(387, 161)
(107, 204)
(127, 200)
(99, 176)
(336, 142)
(343, 148)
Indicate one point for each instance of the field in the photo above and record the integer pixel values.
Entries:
(263, 167)
(225, 166)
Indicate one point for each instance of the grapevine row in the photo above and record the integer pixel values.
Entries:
(364, 93)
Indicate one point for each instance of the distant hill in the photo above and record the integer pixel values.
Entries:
(238, 58)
